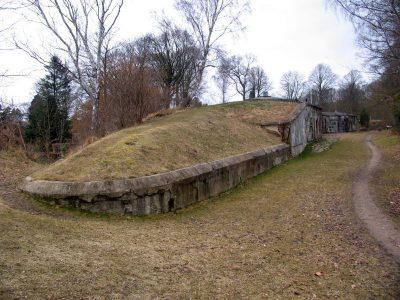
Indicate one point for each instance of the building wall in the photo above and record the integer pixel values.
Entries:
(354, 123)
(305, 128)
(330, 124)
(339, 123)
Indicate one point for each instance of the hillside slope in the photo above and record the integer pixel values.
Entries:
(176, 141)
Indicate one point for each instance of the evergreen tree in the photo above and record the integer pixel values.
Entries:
(364, 118)
(48, 119)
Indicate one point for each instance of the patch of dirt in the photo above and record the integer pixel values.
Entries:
(14, 166)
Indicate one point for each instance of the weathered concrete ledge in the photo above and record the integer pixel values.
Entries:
(162, 192)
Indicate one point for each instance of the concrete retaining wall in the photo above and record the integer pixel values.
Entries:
(305, 128)
(162, 192)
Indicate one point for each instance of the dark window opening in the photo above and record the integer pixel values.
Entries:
(171, 204)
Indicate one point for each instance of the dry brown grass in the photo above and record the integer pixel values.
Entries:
(12, 163)
(387, 180)
(15, 164)
(266, 239)
(172, 142)
(259, 111)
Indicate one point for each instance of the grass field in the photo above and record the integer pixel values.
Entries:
(387, 180)
(289, 233)
(172, 142)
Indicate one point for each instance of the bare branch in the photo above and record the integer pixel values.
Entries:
(322, 81)
(209, 21)
(240, 73)
(84, 42)
(292, 85)
(378, 28)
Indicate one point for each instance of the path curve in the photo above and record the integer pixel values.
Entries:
(377, 223)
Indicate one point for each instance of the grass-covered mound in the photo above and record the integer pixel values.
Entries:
(172, 142)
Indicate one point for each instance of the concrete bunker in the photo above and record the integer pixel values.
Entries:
(169, 191)
(303, 127)
(336, 122)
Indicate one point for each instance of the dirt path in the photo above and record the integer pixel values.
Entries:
(380, 227)
(13, 168)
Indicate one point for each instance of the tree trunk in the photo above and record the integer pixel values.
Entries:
(95, 125)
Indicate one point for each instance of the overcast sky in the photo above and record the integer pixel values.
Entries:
(284, 35)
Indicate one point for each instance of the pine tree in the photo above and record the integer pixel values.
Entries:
(49, 111)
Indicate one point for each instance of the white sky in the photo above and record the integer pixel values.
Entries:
(284, 35)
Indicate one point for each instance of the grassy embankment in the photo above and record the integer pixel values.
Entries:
(386, 183)
(265, 239)
(172, 142)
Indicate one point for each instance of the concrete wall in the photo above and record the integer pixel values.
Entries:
(339, 122)
(305, 128)
(302, 127)
(162, 192)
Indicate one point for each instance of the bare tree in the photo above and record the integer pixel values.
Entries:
(209, 21)
(4, 6)
(381, 99)
(221, 77)
(351, 93)
(82, 30)
(322, 82)
(7, 7)
(11, 5)
(292, 85)
(176, 58)
(378, 27)
(259, 81)
(240, 74)
(132, 90)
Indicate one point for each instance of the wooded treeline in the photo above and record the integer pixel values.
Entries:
(95, 87)
(116, 86)
(113, 86)
(377, 24)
